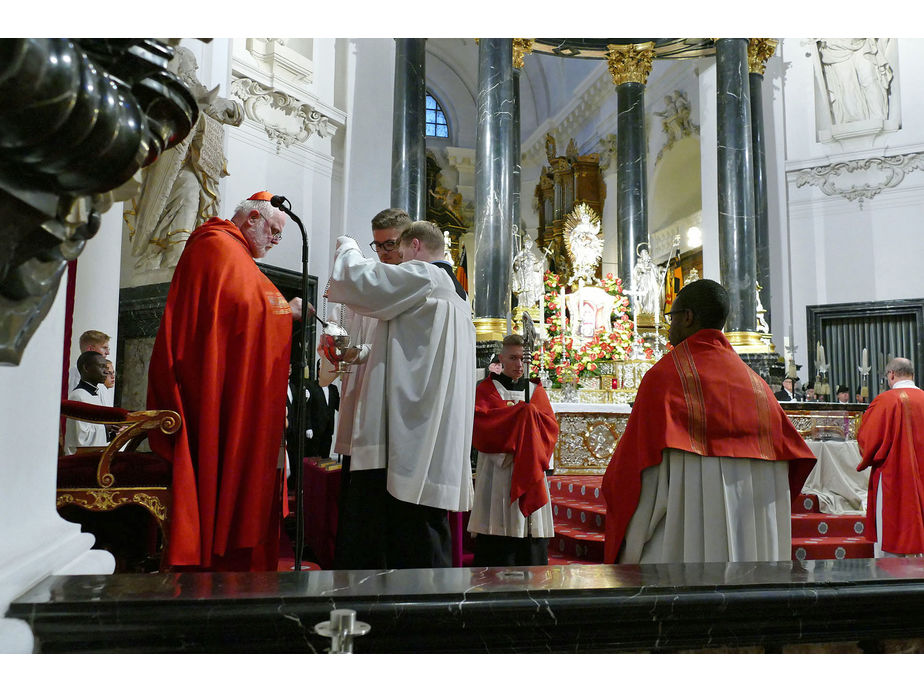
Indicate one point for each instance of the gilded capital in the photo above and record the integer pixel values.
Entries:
(630, 63)
(759, 52)
(521, 48)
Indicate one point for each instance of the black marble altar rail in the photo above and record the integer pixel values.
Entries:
(543, 609)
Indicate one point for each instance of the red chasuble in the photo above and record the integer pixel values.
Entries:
(891, 440)
(528, 431)
(700, 398)
(221, 359)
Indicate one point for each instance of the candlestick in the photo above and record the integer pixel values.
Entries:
(561, 307)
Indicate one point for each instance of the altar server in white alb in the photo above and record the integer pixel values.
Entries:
(413, 421)
(79, 434)
(512, 515)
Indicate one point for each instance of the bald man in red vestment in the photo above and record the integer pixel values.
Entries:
(891, 440)
(701, 398)
(221, 360)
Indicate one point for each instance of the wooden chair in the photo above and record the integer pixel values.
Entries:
(103, 479)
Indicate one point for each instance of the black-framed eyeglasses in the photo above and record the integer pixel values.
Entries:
(385, 246)
(668, 314)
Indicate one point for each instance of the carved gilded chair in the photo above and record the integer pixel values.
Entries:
(102, 479)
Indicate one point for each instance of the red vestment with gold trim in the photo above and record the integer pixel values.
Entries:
(221, 360)
(891, 440)
(700, 398)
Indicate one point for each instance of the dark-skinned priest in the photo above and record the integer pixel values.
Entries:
(412, 428)
(708, 462)
(511, 515)
(221, 359)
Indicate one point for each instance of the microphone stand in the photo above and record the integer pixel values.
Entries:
(300, 408)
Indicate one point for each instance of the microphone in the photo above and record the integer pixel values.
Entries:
(277, 200)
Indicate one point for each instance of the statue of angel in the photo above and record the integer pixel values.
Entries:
(180, 189)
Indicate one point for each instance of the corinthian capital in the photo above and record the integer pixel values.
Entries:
(630, 63)
(521, 48)
(760, 50)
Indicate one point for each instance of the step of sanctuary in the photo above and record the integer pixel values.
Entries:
(579, 512)
(821, 536)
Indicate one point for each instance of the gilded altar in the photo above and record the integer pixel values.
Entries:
(588, 432)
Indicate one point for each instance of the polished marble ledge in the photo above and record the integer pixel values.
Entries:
(574, 608)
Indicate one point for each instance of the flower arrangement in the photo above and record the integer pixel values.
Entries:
(561, 357)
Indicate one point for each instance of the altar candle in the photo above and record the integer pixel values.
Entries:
(561, 307)
(821, 350)
(865, 358)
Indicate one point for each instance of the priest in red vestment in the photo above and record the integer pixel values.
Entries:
(511, 513)
(891, 440)
(221, 360)
(701, 398)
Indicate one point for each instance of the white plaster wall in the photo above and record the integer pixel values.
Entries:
(96, 290)
(842, 251)
(709, 176)
(367, 178)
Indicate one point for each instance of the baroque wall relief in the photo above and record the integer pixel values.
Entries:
(274, 80)
(861, 179)
(286, 120)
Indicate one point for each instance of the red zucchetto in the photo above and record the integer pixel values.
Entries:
(262, 195)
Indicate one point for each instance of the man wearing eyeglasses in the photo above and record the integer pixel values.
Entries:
(220, 360)
(413, 429)
(706, 466)
(349, 552)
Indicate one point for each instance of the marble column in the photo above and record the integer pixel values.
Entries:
(759, 51)
(493, 199)
(408, 149)
(629, 66)
(737, 251)
(521, 47)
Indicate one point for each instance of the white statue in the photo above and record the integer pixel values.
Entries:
(447, 245)
(528, 272)
(648, 285)
(857, 77)
(585, 245)
(762, 326)
(180, 190)
(675, 118)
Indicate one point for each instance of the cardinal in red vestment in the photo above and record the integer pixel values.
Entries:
(511, 514)
(221, 359)
(891, 440)
(700, 398)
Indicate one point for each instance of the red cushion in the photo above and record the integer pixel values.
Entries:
(128, 468)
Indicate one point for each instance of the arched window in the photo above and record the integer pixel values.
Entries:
(436, 119)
